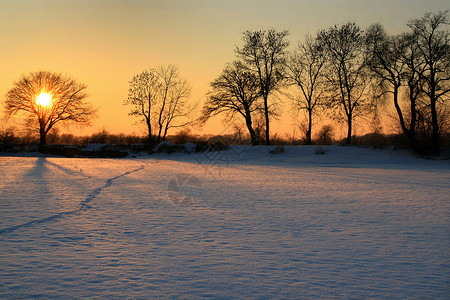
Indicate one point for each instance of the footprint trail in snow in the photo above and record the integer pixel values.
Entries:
(84, 205)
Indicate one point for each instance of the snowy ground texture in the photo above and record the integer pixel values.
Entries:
(351, 223)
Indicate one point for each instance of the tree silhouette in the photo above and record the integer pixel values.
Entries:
(305, 70)
(346, 72)
(264, 52)
(417, 61)
(47, 98)
(160, 97)
(173, 100)
(394, 62)
(235, 91)
(142, 96)
(434, 47)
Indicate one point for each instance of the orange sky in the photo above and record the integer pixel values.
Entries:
(103, 43)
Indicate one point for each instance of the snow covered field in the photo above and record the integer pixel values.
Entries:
(351, 223)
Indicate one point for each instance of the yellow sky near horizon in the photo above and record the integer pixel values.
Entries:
(103, 43)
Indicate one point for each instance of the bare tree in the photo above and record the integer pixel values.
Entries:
(235, 91)
(433, 44)
(413, 76)
(305, 69)
(142, 95)
(161, 98)
(393, 61)
(174, 109)
(346, 72)
(46, 99)
(264, 52)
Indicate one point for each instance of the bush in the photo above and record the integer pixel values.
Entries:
(7, 135)
(182, 137)
(190, 147)
(169, 147)
(325, 136)
(277, 150)
(319, 151)
(105, 151)
(211, 146)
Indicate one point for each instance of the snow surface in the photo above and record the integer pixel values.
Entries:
(351, 223)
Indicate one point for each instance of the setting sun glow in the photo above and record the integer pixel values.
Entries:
(44, 99)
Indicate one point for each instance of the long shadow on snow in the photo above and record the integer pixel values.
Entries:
(68, 171)
(83, 205)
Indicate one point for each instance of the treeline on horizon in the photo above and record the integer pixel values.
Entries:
(326, 135)
(342, 73)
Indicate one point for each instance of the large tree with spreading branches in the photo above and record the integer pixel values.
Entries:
(234, 92)
(46, 99)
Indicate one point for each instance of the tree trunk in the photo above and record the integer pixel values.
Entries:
(349, 130)
(266, 113)
(149, 127)
(309, 131)
(159, 135)
(399, 112)
(435, 143)
(166, 128)
(411, 133)
(42, 136)
(248, 122)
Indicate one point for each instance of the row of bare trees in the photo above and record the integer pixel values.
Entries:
(245, 85)
(416, 65)
(345, 72)
(159, 96)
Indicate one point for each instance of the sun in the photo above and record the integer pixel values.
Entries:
(44, 99)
